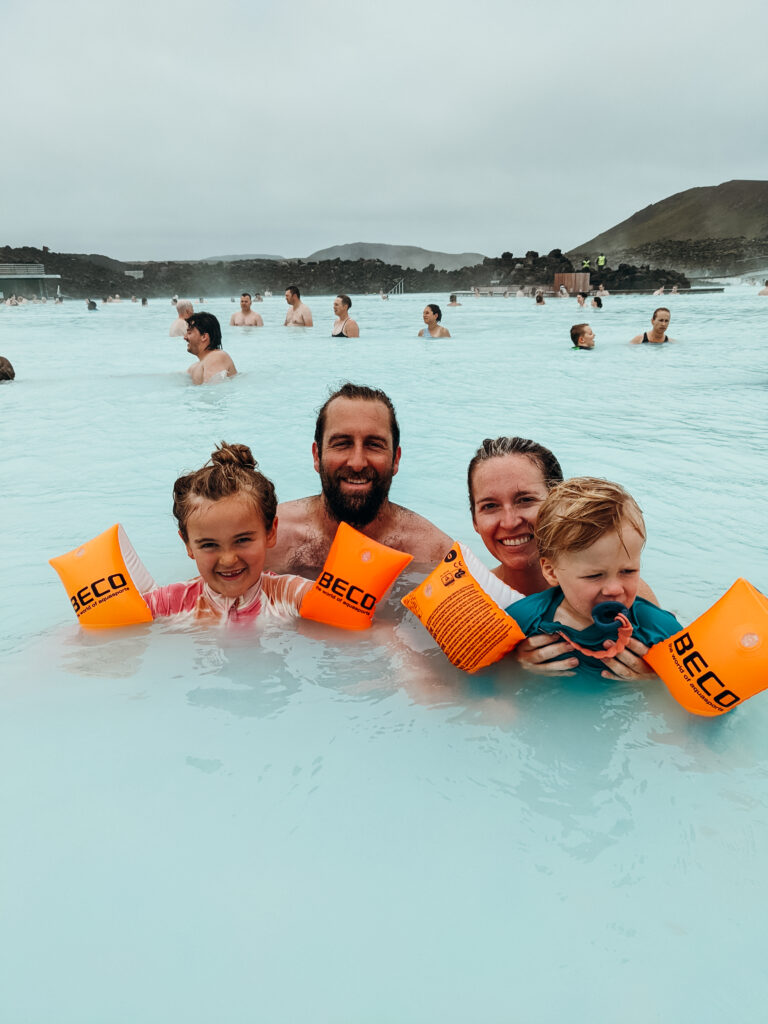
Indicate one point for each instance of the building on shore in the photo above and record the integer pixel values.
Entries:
(27, 279)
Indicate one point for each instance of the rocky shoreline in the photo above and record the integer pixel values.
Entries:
(712, 257)
(95, 276)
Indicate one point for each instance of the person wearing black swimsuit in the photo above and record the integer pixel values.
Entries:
(659, 324)
(344, 327)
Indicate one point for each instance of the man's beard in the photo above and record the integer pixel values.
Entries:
(356, 509)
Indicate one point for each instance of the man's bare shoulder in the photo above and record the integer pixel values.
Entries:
(300, 513)
(217, 362)
(411, 532)
(301, 536)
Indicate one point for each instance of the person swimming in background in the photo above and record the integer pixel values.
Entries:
(582, 336)
(344, 326)
(432, 316)
(659, 323)
(452, 300)
(7, 371)
(540, 298)
(597, 302)
(590, 535)
(226, 513)
(203, 338)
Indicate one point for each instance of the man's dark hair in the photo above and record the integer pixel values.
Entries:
(293, 290)
(245, 295)
(367, 394)
(207, 323)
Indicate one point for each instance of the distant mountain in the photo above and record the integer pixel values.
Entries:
(232, 259)
(406, 256)
(730, 210)
(100, 261)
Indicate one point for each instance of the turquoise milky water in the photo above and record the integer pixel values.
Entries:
(308, 825)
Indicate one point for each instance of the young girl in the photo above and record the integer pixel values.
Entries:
(226, 516)
(590, 535)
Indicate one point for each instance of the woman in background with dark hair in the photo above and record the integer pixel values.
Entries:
(432, 317)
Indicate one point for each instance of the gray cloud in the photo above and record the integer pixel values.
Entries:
(147, 132)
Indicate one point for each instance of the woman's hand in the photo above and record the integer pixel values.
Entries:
(629, 664)
(536, 653)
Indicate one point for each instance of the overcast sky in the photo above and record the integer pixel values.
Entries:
(151, 130)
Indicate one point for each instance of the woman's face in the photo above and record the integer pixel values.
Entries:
(507, 492)
(430, 317)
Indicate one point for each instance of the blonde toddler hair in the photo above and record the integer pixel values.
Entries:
(579, 511)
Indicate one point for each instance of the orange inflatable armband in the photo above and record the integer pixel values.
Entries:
(356, 575)
(104, 579)
(721, 659)
(462, 605)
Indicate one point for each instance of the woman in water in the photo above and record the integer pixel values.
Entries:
(344, 327)
(227, 521)
(508, 479)
(432, 317)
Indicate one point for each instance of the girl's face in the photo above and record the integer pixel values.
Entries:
(608, 570)
(228, 541)
(429, 317)
(506, 494)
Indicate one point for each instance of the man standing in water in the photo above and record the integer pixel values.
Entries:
(247, 317)
(659, 323)
(203, 339)
(356, 453)
(298, 315)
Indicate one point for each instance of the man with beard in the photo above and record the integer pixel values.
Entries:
(356, 452)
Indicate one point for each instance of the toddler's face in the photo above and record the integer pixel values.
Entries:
(608, 570)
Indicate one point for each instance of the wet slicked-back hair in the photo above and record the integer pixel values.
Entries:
(664, 309)
(349, 390)
(578, 512)
(231, 470)
(207, 323)
(496, 448)
(293, 290)
(576, 332)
